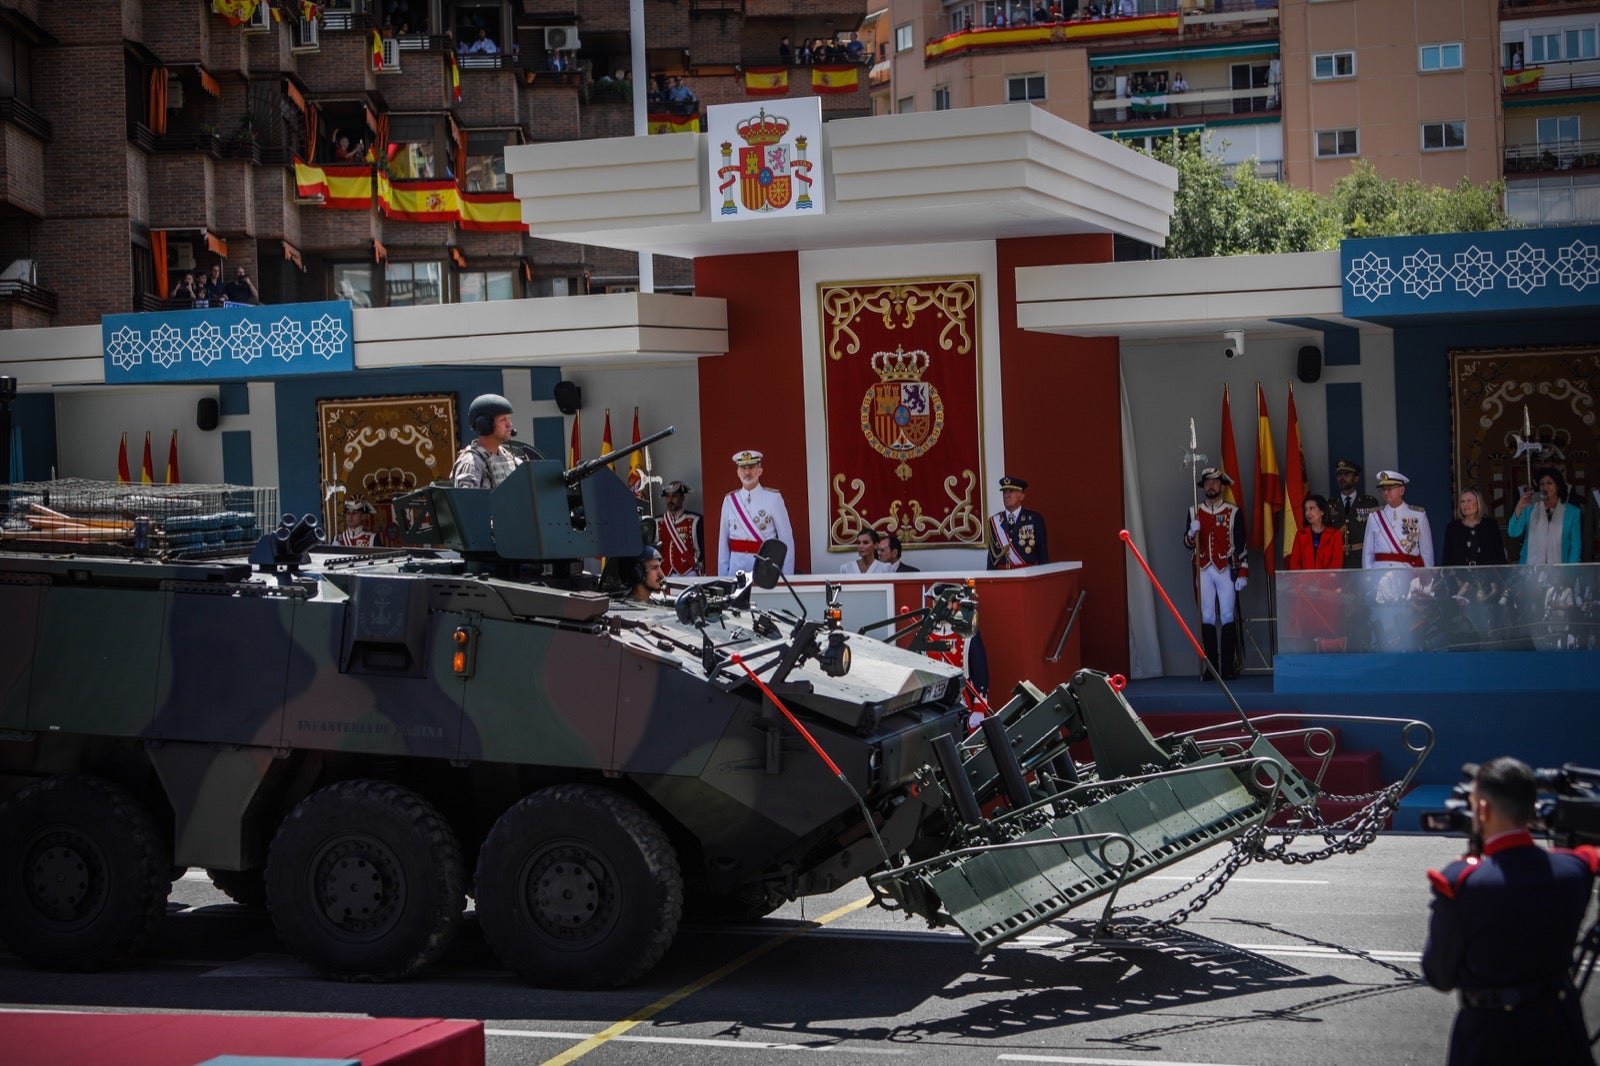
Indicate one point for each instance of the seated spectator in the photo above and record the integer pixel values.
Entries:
(185, 290)
(214, 290)
(241, 290)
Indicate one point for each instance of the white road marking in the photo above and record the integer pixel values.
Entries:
(711, 1042)
(1080, 1060)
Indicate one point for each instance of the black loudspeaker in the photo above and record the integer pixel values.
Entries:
(1310, 367)
(207, 413)
(568, 397)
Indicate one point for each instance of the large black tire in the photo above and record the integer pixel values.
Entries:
(247, 888)
(84, 873)
(365, 881)
(578, 887)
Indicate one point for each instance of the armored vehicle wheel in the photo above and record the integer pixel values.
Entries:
(247, 888)
(578, 887)
(83, 873)
(365, 881)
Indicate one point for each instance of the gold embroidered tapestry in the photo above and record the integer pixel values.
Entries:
(380, 447)
(901, 374)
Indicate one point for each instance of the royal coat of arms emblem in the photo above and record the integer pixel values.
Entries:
(902, 415)
(766, 173)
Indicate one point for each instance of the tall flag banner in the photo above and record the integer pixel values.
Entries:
(123, 477)
(1234, 493)
(766, 81)
(1294, 479)
(577, 442)
(1269, 487)
(147, 472)
(835, 78)
(636, 460)
(172, 460)
(492, 212)
(377, 51)
(605, 438)
(455, 77)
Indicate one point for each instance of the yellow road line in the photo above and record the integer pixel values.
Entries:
(646, 1013)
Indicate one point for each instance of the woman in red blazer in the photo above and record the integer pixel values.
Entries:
(1316, 546)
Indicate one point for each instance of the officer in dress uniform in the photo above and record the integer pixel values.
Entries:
(679, 534)
(483, 463)
(356, 533)
(1501, 931)
(751, 514)
(1397, 532)
(1016, 535)
(1217, 538)
(1348, 510)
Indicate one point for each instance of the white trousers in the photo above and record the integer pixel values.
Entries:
(1216, 596)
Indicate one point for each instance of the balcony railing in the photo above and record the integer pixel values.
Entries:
(19, 114)
(1193, 105)
(1557, 77)
(1161, 18)
(423, 42)
(1527, 8)
(25, 292)
(1552, 155)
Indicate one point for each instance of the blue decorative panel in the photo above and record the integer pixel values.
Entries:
(1446, 273)
(221, 343)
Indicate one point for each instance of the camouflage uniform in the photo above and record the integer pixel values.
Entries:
(477, 468)
(1352, 522)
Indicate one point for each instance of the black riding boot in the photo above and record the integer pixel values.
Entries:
(1230, 651)
(1208, 640)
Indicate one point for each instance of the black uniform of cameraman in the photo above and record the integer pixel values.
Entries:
(1502, 932)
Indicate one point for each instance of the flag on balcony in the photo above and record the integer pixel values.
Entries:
(147, 471)
(123, 477)
(766, 81)
(1150, 103)
(455, 78)
(309, 181)
(491, 212)
(1523, 81)
(377, 51)
(663, 122)
(172, 460)
(237, 12)
(835, 78)
(419, 201)
(349, 187)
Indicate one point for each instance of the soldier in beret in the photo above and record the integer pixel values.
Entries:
(679, 534)
(1349, 509)
(752, 513)
(1016, 535)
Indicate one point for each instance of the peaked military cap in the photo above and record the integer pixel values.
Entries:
(1392, 477)
(677, 488)
(747, 458)
(1008, 483)
(1346, 466)
(1212, 472)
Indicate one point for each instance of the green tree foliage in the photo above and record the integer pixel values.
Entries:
(1218, 211)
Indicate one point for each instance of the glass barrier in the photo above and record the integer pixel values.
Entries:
(1449, 608)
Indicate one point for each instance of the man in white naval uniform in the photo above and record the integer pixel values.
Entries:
(750, 515)
(1397, 532)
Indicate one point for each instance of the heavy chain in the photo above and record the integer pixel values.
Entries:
(1344, 837)
(1246, 849)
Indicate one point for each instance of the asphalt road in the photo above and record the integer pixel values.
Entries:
(1291, 964)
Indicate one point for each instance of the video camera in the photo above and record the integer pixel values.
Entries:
(1567, 810)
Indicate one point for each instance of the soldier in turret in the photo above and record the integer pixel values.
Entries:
(483, 464)
(644, 576)
(1217, 538)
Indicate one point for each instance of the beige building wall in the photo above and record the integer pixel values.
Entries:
(1388, 99)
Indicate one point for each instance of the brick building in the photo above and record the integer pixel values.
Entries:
(144, 139)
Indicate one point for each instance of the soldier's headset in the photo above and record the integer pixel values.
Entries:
(483, 424)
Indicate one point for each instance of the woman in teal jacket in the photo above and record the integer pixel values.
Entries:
(1551, 528)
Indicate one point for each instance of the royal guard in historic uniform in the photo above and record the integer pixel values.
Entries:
(357, 532)
(1216, 536)
(1397, 532)
(751, 514)
(679, 534)
(1349, 509)
(1505, 920)
(1016, 535)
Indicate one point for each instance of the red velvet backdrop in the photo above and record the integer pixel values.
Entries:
(901, 386)
(1063, 433)
(753, 396)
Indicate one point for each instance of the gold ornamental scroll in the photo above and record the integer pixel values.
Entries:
(901, 372)
(381, 447)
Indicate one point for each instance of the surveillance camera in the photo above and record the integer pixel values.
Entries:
(1232, 343)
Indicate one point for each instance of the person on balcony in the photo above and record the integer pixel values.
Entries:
(185, 292)
(680, 99)
(345, 150)
(1553, 528)
(214, 290)
(241, 290)
(483, 45)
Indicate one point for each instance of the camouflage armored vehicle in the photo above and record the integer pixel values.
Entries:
(359, 740)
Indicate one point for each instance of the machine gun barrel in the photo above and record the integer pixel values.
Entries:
(589, 466)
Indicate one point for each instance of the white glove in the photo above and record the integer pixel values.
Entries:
(1239, 583)
(1194, 527)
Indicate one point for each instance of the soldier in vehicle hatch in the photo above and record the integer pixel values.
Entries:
(484, 463)
(644, 576)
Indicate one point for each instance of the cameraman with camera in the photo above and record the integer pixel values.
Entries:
(1504, 921)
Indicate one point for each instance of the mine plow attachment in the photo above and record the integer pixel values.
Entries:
(1088, 841)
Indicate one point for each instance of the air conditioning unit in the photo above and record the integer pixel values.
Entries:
(1102, 83)
(303, 34)
(21, 270)
(180, 256)
(260, 19)
(391, 54)
(174, 94)
(561, 38)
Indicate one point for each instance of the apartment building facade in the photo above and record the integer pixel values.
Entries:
(144, 139)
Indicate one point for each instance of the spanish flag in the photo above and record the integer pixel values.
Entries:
(455, 78)
(419, 201)
(663, 122)
(766, 81)
(577, 441)
(309, 181)
(172, 460)
(1294, 479)
(835, 78)
(1233, 493)
(1522, 81)
(237, 12)
(147, 472)
(491, 212)
(1269, 487)
(123, 477)
(636, 460)
(349, 187)
(605, 438)
(377, 51)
